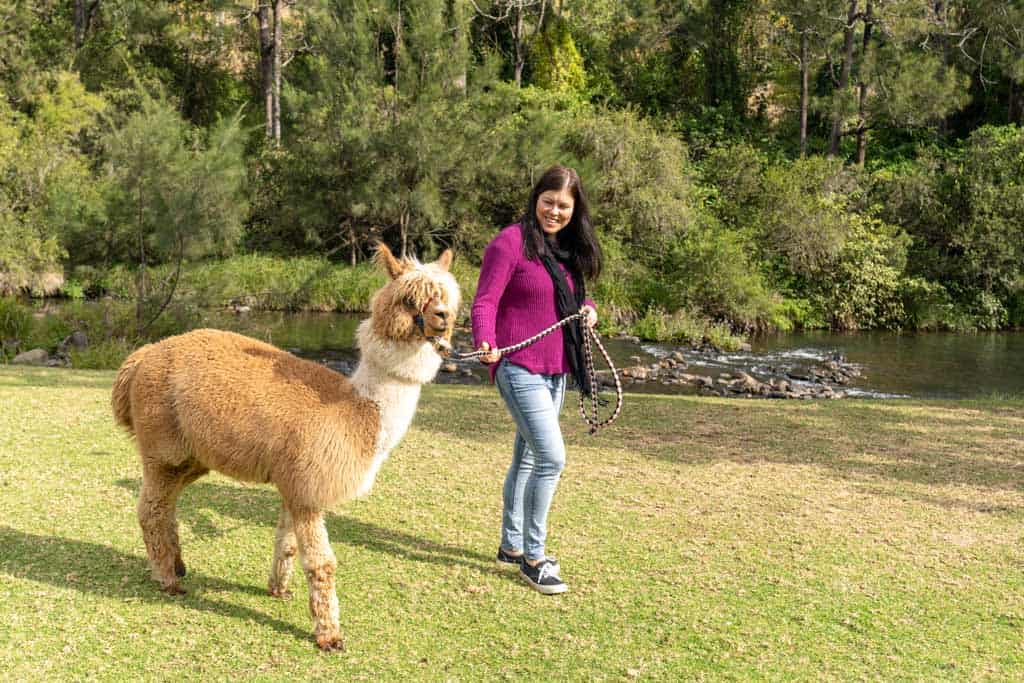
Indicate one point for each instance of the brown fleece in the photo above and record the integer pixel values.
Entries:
(215, 400)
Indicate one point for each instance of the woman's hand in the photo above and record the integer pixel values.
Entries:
(591, 315)
(492, 356)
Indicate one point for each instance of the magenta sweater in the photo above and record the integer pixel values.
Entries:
(515, 299)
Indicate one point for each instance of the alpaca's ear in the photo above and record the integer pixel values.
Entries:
(444, 262)
(387, 260)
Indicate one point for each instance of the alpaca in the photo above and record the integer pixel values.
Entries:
(214, 400)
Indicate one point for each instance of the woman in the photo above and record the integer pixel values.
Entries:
(532, 276)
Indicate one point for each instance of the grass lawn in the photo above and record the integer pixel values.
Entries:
(701, 539)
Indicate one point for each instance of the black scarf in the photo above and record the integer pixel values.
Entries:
(568, 302)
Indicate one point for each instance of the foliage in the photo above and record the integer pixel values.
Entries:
(555, 62)
(733, 178)
(681, 327)
(171, 192)
(46, 178)
(15, 319)
(964, 212)
(639, 180)
(107, 354)
(130, 141)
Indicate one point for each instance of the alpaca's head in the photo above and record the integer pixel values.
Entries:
(426, 290)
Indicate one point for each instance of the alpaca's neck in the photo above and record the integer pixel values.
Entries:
(390, 374)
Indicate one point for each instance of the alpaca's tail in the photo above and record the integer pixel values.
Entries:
(120, 398)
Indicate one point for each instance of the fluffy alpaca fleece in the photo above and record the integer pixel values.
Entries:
(215, 400)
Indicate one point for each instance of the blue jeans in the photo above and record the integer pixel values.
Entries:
(538, 455)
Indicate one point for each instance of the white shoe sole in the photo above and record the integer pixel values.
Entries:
(543, 590)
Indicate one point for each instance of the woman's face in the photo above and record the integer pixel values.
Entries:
(554, 209)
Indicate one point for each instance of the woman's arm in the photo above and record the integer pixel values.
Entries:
(495, 272)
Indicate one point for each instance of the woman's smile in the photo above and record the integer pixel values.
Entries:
(554, 210)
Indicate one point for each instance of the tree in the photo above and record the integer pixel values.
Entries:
(989, 37)
(85, 11)
(803, 28)
(383, 122)
(889, 79)
(523, 19)
(825, 246)
(47, 180)
(557, 64)
(635, 53)
(989, 232)
(174, 192)
(270, 15)
(723, 22)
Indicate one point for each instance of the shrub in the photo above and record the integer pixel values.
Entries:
(712, 270)
(683, 327)
(15, 319)
(639, 179)
(107, 354)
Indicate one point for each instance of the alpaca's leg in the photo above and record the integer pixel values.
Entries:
(319, 564)
(192, 472)
(160, 487)
(285, 547)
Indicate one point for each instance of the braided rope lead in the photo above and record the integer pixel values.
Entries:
(590, 336)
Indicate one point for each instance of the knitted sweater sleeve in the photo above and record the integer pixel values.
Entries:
(495, 272)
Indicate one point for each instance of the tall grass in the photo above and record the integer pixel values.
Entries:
(683, 327)
(15, 319)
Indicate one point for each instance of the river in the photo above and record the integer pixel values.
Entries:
(892, 364)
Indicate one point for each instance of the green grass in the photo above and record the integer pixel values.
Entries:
(702, 539)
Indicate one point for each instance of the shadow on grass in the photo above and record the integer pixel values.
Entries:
(921, 443)
(260, 506)
(97, 569)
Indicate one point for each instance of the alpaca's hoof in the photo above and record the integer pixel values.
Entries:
(179, 568)
(174, 589)
(282, 593)
(330, 643)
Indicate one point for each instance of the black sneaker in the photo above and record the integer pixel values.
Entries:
(544, 577)
(507, 559)
(504, 557)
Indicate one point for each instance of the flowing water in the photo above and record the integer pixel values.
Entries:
(921, 365)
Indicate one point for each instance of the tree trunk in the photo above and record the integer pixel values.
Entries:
(84, 12)
(79, 23)
(517, 38)
(459, 46)
(398, 57)
(1014, 107)
(403, 228)
(805, 93)
(140, 284)
(267, 65)
(942, 17)
(862, 87)
(352, 242)
(278, 7)
(844, 77)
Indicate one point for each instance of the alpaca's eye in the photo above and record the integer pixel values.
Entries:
(409, 302)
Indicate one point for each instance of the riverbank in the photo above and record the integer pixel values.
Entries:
(260, 282)
(801, 540)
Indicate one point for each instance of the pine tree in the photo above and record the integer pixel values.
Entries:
(173, 193)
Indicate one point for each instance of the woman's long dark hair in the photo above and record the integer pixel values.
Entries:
(578, 237)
